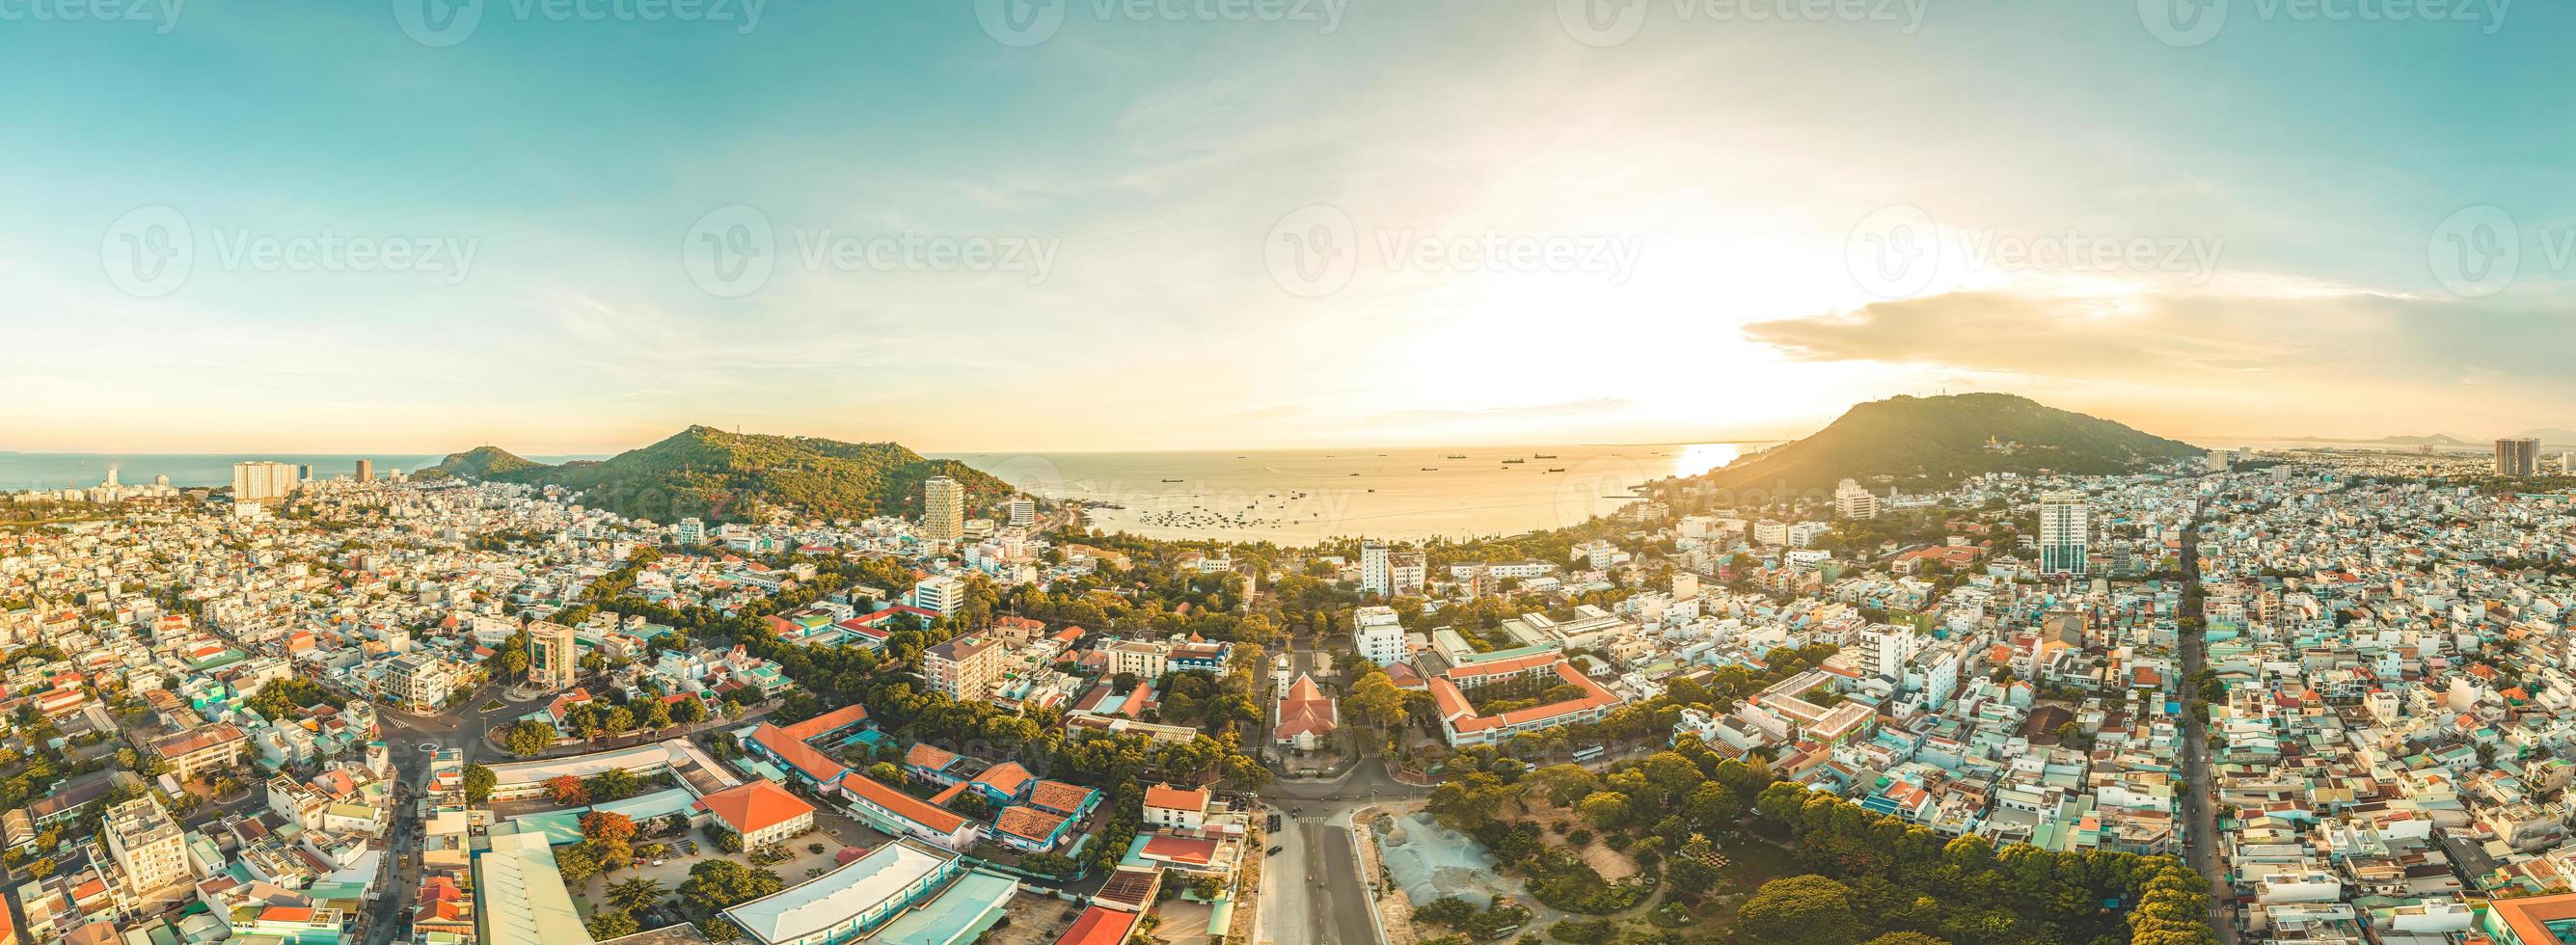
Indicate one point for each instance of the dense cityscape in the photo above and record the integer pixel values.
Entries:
(2304, 695)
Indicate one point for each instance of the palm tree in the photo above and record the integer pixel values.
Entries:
(636, 893)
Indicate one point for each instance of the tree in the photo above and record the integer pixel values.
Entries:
(567, 790)
(1905, 938)
(1375, 700)
(885, 772)
(1605, 809)
(607, 826)
(610, 923)
(1450, 911)
(479, 781)
(529, 737)
(577, 863)
(1799, 910)
(636, 893)
(716, 885)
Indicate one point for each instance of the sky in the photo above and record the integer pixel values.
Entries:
(576, 226)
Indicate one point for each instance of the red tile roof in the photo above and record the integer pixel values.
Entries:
(1172, 798)
(828, 722)
(1099, 926)
(1028, 822)
(1192, 850)
(814, 764)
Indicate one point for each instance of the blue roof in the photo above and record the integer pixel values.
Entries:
(962, 912)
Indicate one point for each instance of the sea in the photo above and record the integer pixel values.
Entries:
(1287, 497)
(23, 471)
(1303, 497)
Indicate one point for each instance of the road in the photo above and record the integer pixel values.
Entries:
(404, 734)
(2200, 809)
(1311, 890)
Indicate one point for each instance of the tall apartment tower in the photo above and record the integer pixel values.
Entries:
(553, 660)
(2519, 456)
(262, 482)
(2064, 527)
(943, 509)
(1375, 577)
(366, 470)
(147, 845)
(1024, 511)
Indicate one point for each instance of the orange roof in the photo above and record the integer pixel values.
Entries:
(1100, 926)
(1028, 822)
(795, 752)
(827, 722)
(1172, 798)
(929, 756)
(756, 806)
(903, 805)
(1057, 795)
(1193, 850)
(1007, 777)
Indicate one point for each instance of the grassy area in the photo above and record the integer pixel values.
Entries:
(494, 705)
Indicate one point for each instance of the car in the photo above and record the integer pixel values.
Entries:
(1274, 851)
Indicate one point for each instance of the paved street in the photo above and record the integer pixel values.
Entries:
(1312, 891)
(2199, 807)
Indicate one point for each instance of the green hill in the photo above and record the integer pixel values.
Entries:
(708, 473)
(1930, 441)
(482, 462)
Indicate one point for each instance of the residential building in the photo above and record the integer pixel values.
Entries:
(1852, 501)
(1379, 635)
(148, 846)
(965, 668)
(943, 510)
(262, 481)
(2064, 533)
(554, 657)
(1374, 576)
(2518, 456)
